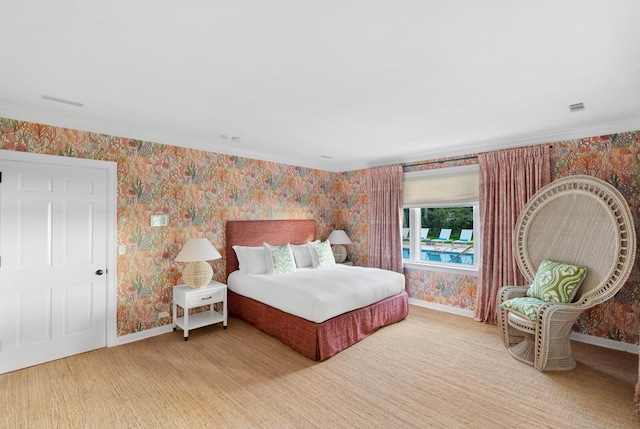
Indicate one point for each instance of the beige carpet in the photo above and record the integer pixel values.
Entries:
(431, 370)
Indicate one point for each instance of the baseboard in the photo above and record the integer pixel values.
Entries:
(605, 342)
(440, 307)
(148, 333)
(583, 338)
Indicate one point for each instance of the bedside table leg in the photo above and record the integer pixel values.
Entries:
(186, 324)
(175, 315)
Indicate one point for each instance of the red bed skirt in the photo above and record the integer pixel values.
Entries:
(320, 341)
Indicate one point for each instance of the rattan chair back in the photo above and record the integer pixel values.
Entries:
(579, 220)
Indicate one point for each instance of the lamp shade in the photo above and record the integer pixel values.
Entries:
(197, 249)
(338, 236)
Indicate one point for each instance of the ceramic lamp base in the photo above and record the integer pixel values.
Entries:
(339, 253)
(197, 274)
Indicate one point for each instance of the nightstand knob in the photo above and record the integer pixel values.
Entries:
(99, 272)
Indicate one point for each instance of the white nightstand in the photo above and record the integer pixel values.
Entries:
(349, 263)
(188, 298)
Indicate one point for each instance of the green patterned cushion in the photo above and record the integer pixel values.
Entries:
(525, 306)
(556, 282)
(279, 259)
(325, 254)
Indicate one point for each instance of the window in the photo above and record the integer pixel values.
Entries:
(441, 217)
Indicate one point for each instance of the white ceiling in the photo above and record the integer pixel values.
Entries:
(366, 82)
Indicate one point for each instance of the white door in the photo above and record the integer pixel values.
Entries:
(53, 260)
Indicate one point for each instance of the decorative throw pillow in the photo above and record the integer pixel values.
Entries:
(556, 282)
(279, 259)
(525, 306)
(324, 254)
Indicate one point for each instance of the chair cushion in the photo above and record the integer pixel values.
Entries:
(556, 282)
(526, 306)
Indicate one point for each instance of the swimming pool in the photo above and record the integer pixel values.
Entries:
(451, 257)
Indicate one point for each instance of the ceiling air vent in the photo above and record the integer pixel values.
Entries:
(62, 100)
(576, 107)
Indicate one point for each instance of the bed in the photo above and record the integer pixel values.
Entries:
(315, 340)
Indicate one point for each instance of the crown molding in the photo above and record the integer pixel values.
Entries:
(335, 166)
(488, 145)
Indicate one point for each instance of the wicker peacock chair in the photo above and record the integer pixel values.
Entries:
(578, 220)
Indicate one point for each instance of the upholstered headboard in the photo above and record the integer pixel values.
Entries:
(274, 232)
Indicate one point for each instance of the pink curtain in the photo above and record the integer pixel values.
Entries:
(507, 180)
(385, 206)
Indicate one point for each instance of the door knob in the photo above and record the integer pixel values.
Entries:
(99, 272)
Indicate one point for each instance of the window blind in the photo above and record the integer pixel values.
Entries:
(445, 187)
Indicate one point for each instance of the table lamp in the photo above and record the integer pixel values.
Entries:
(196, 252)
(337, 238)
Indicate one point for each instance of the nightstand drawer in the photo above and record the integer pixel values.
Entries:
(206, 297)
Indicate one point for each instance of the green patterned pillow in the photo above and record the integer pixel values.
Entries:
(556, 282)
(525, 306)
(279, 259)
(325, 254)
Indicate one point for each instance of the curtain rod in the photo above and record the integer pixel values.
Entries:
(461, 158)
(441, 161)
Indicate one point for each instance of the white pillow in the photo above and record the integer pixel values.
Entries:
(251, 260)
(302, 255)
(242, 262)
(315, 260)
(279, 259)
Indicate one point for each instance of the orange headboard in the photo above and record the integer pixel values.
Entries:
(274, 232)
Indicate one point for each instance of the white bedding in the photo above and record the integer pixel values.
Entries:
(318, 294)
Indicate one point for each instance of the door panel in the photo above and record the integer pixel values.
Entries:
(78, 309)
(53, 239)
(34, 317)
(78, 233)
(34, 234)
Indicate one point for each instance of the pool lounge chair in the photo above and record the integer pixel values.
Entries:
(465, 238)
(444, 237)
(423, 234)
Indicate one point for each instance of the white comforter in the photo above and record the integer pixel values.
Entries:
(318, 294)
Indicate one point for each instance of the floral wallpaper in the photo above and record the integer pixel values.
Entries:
(454, 290)
(351, 212)
(199, 191)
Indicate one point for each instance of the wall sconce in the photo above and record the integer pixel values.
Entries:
(337, 238)
(196, 251)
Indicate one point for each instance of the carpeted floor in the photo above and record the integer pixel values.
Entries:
(433, 370)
